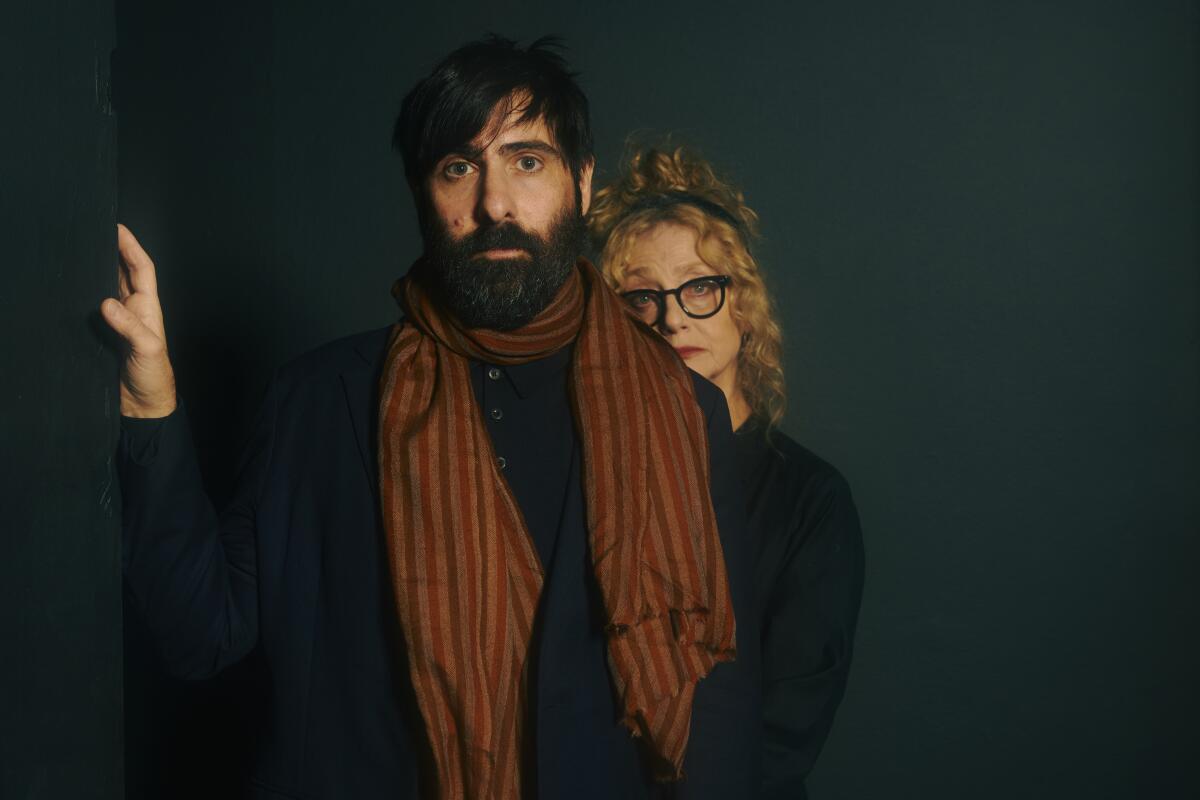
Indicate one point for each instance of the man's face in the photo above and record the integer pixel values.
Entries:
(504, 230)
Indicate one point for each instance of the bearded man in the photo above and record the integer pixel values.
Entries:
(479, 548)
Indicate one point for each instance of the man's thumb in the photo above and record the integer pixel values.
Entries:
(121, 320)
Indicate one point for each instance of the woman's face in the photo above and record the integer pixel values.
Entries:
(663, 258)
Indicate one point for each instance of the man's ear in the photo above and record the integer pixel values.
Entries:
(585, 186)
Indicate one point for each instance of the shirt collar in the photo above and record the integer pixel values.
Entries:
(533, 376)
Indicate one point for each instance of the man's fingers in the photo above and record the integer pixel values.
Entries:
(123, 287)
(127, 325)
(139, 269)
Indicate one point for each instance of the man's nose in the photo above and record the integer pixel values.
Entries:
(673, 319)
(495, 202)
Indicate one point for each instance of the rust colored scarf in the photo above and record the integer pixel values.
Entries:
(467, 576)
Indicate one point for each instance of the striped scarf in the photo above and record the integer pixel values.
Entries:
(467, 577)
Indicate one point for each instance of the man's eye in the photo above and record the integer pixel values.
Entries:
(700, 289)
(528, 163)
(458, 169)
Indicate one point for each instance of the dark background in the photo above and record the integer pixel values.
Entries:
(60, 569)
(980, 226)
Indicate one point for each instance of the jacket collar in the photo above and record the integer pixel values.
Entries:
(360, 382)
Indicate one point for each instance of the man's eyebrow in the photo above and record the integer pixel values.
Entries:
(529, 144)
(469, 153)
(475, 153)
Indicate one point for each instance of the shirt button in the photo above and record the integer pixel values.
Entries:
(494, 373)
(501, 462)
(497, 414)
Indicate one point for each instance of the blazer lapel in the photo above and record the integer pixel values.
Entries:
(360, 382)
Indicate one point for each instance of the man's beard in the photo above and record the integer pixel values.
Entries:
(502, 294)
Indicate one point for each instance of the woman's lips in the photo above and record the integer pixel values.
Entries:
(688, 352)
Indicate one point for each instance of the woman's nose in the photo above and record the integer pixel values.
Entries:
(673, 319)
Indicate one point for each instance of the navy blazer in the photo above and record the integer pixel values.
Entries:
(296, 565)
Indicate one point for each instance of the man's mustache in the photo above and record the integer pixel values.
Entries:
(502, 237)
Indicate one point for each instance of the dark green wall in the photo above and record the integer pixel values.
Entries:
(60, 581)
(980, 226)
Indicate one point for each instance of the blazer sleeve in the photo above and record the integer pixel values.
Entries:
(191, 572)
(724, 747)
(809, 636)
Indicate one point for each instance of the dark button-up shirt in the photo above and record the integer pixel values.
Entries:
(525, 410)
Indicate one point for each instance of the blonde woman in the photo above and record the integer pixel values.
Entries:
(675, 243)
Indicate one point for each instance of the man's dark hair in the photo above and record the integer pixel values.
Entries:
(449, 108)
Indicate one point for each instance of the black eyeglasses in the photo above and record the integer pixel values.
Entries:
(699, 298)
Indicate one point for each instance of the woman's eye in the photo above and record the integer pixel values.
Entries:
(458, 169)
(528, 163)
(640, 300)
(702, 288)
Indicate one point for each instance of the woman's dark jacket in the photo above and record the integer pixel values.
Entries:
(808, 578)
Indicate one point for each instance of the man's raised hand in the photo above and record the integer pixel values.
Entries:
(147, 380)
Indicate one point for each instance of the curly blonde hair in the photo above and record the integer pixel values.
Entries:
(619, 215)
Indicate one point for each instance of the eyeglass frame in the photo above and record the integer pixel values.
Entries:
(661, 296)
